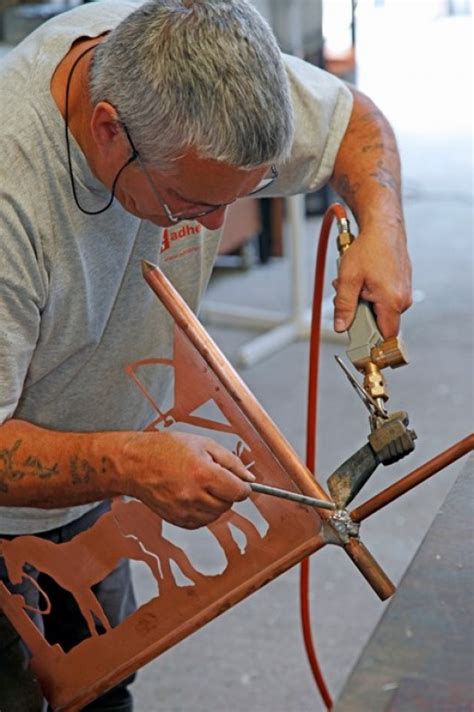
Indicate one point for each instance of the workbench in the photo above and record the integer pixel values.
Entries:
(421, 656)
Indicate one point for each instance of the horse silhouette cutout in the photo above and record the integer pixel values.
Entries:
(147, 527)
(130, 530)
(62, 562)
(139, 523)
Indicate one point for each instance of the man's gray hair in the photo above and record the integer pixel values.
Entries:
(206, 74)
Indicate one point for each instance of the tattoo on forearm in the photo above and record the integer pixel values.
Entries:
(11, 470)
(384, 177)
(40, 470)
(8, 471)
(81, 470)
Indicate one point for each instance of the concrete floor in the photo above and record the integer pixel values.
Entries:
(252, 658)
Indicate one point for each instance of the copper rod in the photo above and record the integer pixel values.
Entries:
(292, 496)
(370, 569)
(430, 468)
(256, 415)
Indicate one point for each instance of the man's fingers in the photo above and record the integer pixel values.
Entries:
(388, 321)
(389, 309)
(388, 302)
(226, 487)
(229, 461)
(345, 301)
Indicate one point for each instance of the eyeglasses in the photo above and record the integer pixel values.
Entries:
(198, 211)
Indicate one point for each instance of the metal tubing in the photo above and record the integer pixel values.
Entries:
(370, 569)
(430, 468)
(292, 496)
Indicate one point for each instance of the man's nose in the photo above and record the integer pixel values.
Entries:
(214, 220)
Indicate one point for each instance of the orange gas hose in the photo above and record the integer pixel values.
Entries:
(334, 211)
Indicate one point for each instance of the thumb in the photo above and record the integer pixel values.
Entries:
(345, 301)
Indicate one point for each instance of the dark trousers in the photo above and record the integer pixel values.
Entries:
(64, 625)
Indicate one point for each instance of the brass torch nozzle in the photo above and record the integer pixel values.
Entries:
(374, 382)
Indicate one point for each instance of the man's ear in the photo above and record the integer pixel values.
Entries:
(105, 128)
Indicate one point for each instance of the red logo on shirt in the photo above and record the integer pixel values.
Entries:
(170, 236)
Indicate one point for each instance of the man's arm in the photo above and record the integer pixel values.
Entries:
(187, 479)
(367, 176)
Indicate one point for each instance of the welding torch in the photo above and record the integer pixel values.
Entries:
(390, 439)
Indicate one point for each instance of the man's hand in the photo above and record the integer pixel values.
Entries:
(375, 268)
(188, 480)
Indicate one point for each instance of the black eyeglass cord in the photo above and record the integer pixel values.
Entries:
(68, 147)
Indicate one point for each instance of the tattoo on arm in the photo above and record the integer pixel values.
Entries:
(40, 470)
(81, 470)
(10, 470)
(13, 468)
(7, 467)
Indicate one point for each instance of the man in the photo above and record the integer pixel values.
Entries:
(116, 124)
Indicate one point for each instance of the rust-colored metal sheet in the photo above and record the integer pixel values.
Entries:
(277, 533)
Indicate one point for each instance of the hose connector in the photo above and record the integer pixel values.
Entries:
(344, 237)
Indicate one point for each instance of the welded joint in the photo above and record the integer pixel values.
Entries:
(340, 528)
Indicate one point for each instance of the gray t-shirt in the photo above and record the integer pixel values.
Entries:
(74, 308)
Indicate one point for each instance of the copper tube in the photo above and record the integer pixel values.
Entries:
(370, 569)
(413, 479)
